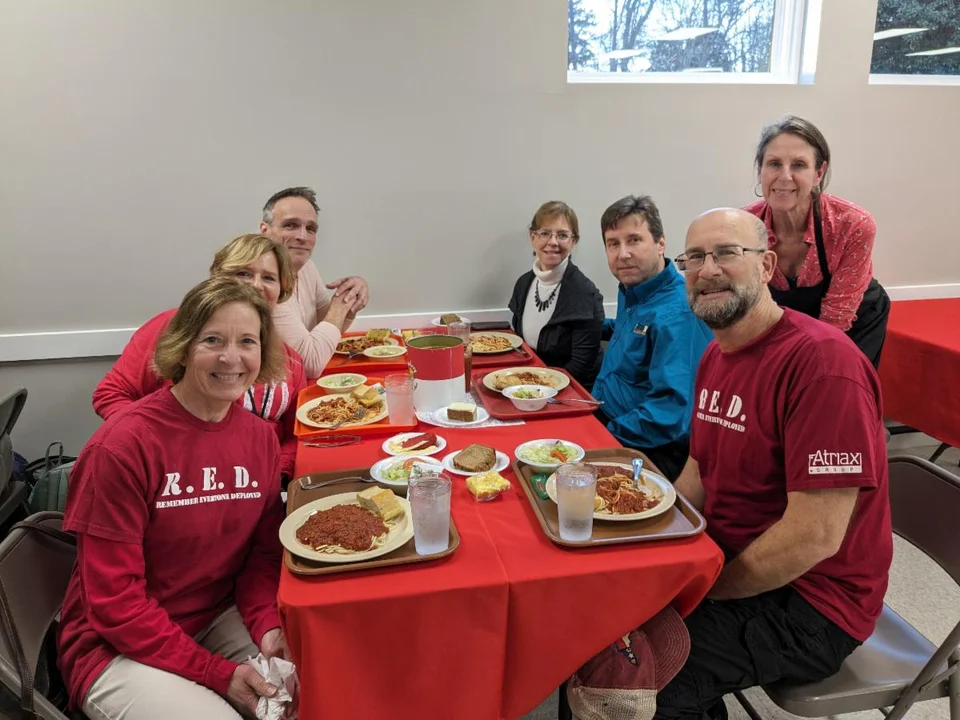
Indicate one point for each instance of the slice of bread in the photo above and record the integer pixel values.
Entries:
(462, 411)
(378, 334)
(475, 458)
(366, 396)
(381, 502)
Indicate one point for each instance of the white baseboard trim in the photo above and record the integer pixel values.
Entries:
(75, 344)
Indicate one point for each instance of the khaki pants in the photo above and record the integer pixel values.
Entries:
(128, 690)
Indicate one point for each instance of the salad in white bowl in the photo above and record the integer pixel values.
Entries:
(548, 454)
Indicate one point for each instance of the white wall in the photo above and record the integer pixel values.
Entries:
(136, 138)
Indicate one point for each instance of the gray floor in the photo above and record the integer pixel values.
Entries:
(919, 591)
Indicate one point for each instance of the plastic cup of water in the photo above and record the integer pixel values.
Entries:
(399, 387)
(429, 496)
(576, 490)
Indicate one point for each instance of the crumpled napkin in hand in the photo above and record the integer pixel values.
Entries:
(278, 672)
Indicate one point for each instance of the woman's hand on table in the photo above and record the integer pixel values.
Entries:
(246, 688)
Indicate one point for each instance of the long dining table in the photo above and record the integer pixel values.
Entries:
(491, 630)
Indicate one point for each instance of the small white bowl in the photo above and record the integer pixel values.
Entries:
(540, 393)
(341, 383)
(381, 352)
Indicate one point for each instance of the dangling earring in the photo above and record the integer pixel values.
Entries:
(756, 190)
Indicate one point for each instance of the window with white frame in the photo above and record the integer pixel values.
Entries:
(689, 40)
(916, 38)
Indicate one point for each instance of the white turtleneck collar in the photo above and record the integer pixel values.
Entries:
(550, 277)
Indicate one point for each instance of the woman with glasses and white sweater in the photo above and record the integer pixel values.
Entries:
(556, 308)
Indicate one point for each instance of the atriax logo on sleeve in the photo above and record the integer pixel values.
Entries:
(824, 462)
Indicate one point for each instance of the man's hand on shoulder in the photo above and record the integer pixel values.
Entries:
(353, 290)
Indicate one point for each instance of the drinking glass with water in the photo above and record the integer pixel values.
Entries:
(576, 490)
(429, 496)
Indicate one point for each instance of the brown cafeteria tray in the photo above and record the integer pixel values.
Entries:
(403, 555)
(680, 521)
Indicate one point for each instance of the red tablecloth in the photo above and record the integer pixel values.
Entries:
(490, 631)
(920, 367)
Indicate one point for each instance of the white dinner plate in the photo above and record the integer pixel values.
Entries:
(669, 494)
(397, 439)
(399, 534)
(502, 463)
(376, 472)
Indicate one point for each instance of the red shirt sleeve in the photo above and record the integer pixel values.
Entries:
(132, 376)
(849, 243)
(287, 436)
(830, 436)
(259, 580)
(112, 579)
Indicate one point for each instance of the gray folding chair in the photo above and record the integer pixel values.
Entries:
(36, 559)
(13, 493)
(896, 666)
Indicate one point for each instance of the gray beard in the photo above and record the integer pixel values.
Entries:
(718, 316)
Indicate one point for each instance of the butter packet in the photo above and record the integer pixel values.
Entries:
(487, 486)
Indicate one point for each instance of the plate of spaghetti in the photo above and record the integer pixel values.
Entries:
(490, 343)
(337, 529)
(616, 497)
(322, 412)
(359, 344)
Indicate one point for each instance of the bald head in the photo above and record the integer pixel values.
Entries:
(731, 225)
(727, 266)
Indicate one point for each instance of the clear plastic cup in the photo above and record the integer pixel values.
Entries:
(461, 330)
(576, 490)
(429, 496)
(399, 387)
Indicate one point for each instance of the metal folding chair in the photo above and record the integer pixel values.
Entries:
(13, 493)
(36, 559)
(897, 666)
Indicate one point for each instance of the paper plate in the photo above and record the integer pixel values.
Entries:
(441, 444)
(376, 472)
(440, 419)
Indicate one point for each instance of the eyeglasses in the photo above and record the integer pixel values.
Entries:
(724, 256)
(545, 235)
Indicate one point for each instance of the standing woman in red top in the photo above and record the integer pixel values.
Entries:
(824, 244)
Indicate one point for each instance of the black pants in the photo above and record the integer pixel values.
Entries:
(736, 644)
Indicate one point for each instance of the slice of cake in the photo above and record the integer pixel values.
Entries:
(462, 412)
(448, 318)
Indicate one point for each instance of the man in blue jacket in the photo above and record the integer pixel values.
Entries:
(655, 342)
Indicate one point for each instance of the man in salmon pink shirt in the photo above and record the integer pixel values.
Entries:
(788, 465)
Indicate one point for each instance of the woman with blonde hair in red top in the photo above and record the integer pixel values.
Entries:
(250, 259)
(824, 244)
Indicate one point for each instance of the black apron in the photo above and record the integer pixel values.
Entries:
(870, 327)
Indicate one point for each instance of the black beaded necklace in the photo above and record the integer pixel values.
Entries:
(542, 305)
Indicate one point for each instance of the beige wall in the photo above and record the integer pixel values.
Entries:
(137, 137)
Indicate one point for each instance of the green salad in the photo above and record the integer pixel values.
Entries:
(548, 453)
(402, 470)
(528, 394)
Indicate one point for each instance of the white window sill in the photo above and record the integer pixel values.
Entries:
(677, 78)
(949, 80)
